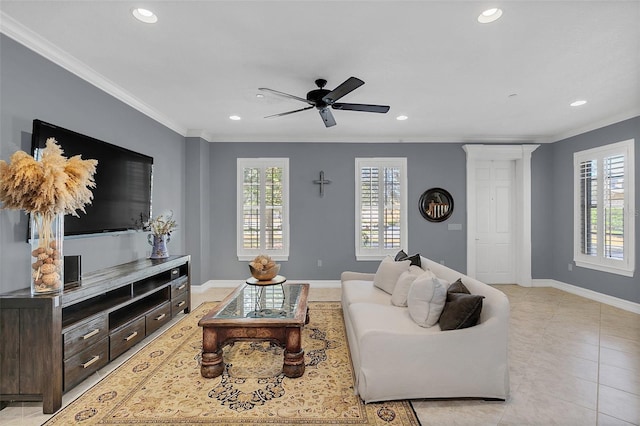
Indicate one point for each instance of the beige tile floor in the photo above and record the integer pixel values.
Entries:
(573, 361)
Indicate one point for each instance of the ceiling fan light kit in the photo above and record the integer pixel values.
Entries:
(324, 100)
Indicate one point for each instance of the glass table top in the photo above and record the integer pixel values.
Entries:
(276, 301)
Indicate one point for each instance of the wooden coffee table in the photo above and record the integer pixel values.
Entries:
(278, 314)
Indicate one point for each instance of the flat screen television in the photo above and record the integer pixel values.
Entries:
(122, 196)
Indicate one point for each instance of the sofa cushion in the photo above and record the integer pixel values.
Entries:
(426, 299)
(461, 310)
(369, 318)
(388, 273)
(363, 291)
(458, 287)
(401, 291)
(415, 259)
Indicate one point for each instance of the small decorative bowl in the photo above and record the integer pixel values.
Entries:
(265, 275)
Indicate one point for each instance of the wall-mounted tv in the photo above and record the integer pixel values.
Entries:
(122, 196)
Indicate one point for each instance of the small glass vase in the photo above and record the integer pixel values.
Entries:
(159, 245)
(47, 261)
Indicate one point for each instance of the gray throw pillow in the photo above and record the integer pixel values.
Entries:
(461, 311)
(415, 259)
(458, 287)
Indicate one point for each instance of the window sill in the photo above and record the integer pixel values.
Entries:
(605, 268)
(250, 257)
(370, 257)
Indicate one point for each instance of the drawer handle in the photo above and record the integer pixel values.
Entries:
(181, 303)
(182, 286)
(159, 317)
(91, 361)
(174, 272)
(91, 334)
(131, 336)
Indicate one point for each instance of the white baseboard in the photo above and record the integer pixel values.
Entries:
(235, 283)
(589, 294)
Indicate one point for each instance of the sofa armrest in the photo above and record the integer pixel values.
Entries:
(360, 276)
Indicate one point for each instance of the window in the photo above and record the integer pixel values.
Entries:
(381, 200)
(263, 208)
(604, 218)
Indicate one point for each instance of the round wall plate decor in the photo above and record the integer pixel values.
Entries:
(436, 205)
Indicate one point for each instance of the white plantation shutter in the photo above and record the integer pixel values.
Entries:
(613, 206)
(604, 206)
(381, 225)
(263, 188)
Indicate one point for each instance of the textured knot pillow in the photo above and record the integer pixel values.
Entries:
(388, 273)
(426, 299)
(401, 291)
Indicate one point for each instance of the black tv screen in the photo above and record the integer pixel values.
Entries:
(122, 196)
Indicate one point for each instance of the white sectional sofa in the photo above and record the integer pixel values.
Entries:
(395, 358)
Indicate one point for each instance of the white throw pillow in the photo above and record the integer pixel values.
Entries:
(401, 291)
(388, 273)
(427, 296)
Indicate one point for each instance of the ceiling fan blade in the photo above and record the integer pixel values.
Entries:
(348, 86)
(288, 112)
(327, 117)
(361, 107)
(286, 95)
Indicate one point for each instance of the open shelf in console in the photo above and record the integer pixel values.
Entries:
(147, 285)
(138, 308)
(75, 313)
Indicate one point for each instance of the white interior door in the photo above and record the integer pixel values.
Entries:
(495, 218)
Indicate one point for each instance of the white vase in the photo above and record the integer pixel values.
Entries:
(47, 261)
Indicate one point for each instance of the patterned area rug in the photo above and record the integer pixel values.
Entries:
(161, 384)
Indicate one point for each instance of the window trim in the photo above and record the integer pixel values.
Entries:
(624, 267)
(401, 162)
(249, 254)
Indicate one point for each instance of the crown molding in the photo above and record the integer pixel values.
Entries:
(595, 125)
(15, 30)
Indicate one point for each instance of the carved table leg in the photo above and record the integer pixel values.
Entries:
(293, 354)
(212, 362)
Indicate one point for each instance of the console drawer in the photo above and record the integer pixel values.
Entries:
(85, 335)
(175, 273)
(179, 287)
(82, 365)
(158, 317)
(125, 337)
(179, 304)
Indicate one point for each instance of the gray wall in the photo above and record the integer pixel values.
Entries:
(323, 228)
(561, 224)
(197, 181)
(33, 87)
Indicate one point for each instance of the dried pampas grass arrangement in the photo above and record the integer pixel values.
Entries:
(52, 186)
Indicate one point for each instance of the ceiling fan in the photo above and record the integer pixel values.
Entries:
(322, 99)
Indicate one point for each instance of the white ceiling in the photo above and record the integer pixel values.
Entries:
(456, 80)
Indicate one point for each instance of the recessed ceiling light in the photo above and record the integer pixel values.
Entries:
(145, 15)
(490, 15)
(259, 95)
(578, 103)
(234, 117)
(401, 117)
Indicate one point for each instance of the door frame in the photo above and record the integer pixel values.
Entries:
(521, 154)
